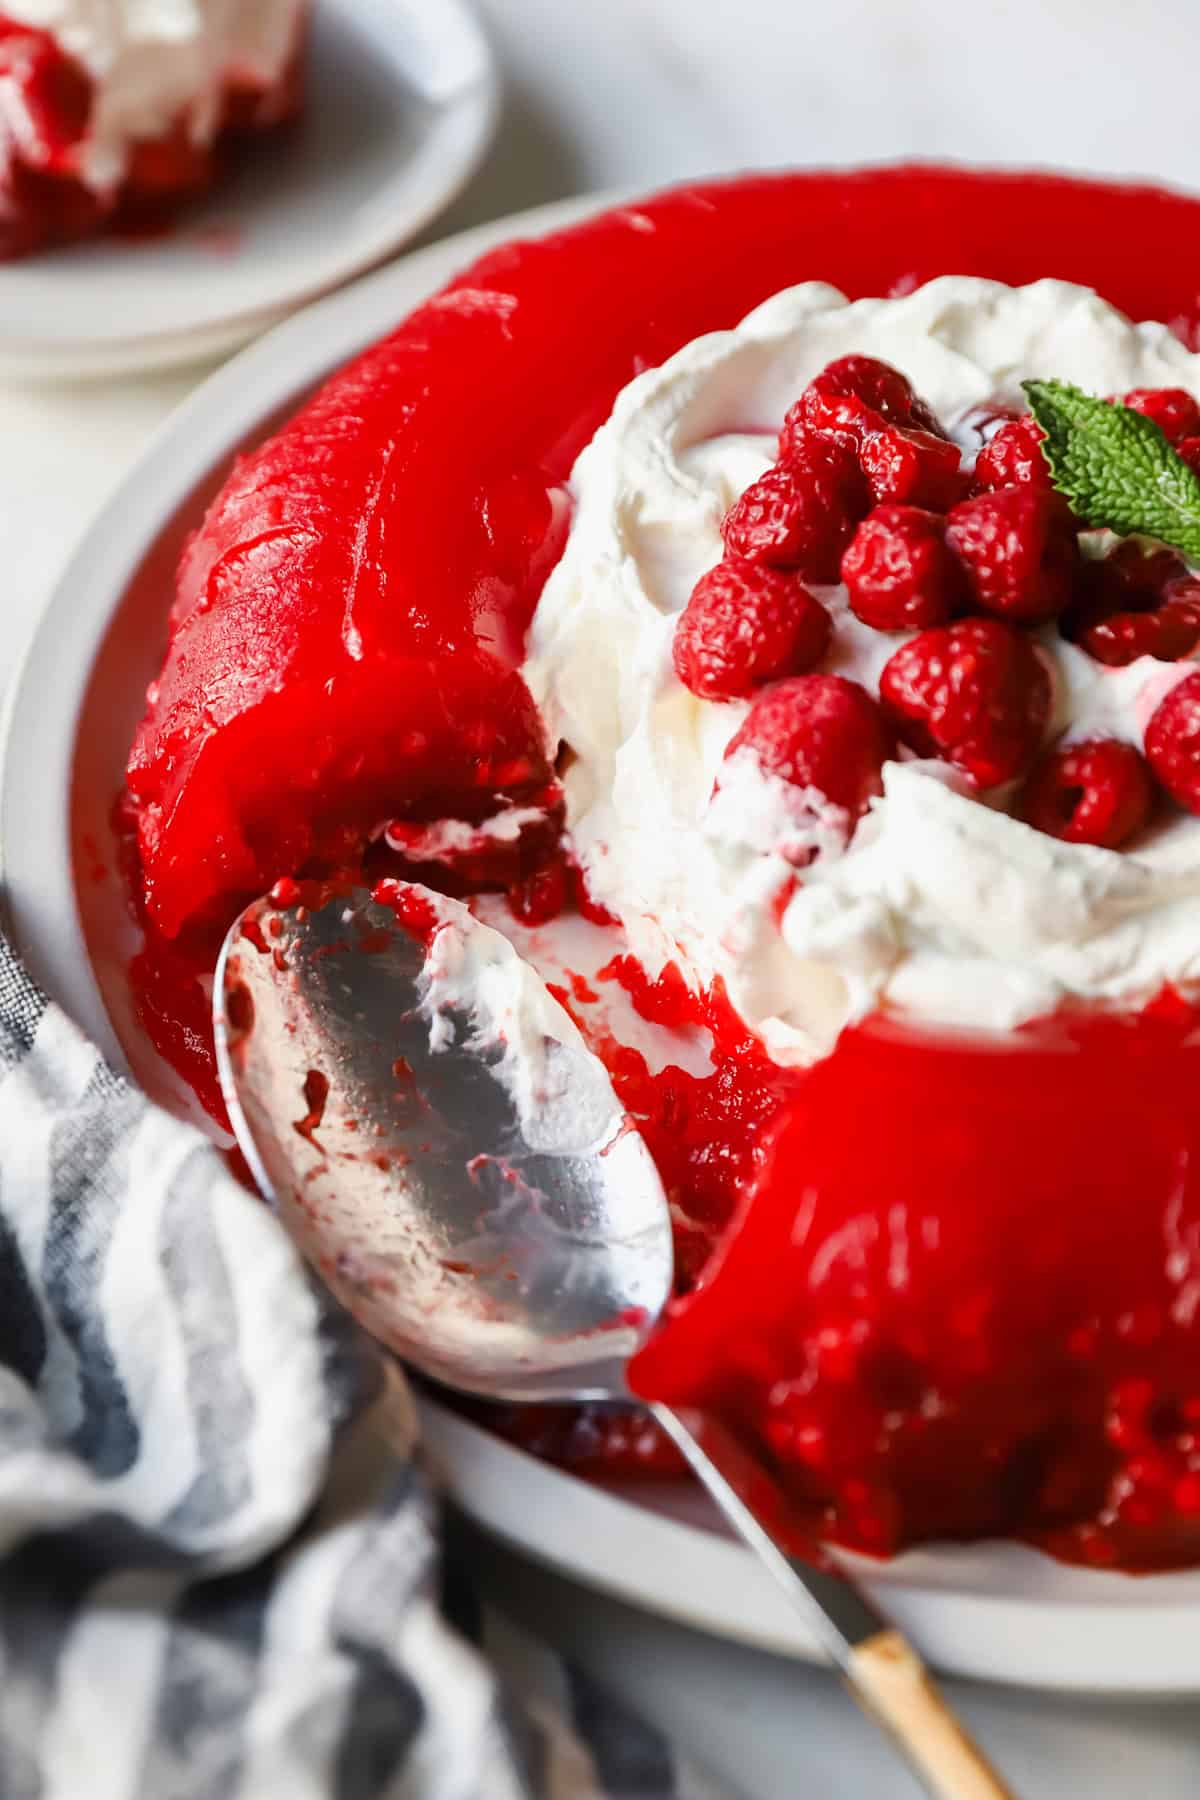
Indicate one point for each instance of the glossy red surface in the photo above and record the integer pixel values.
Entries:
(960, 1297)
(705, 1132)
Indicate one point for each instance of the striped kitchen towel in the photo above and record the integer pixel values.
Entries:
(218, 1581)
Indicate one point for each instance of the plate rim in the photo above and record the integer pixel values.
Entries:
(700, 1576)
(476, 103)
(37, 887)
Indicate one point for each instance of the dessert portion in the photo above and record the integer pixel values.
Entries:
(115, 114)
(833, 764)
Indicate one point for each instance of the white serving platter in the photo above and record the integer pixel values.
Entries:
(994, 1611)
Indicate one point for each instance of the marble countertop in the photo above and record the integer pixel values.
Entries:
(639, 93)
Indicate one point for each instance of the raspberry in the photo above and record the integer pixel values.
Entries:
(975, 693)
(540, 897)
(1189, 449)
(1012, 457)
(1173, 743)
(900, 462)
(801, 514)
(912, 467)
(899, 573)
(1137, 571)
(1136, 602)
(1018, 550)
(844, 418)
(822, 732)
(1099, 792)
(766, 525)
(745, 625)
(880, 386)
(1173, 410)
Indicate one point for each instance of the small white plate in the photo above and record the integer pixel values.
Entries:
(402, 103)
(996, 1611)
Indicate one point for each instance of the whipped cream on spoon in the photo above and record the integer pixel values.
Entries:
(450, 1155)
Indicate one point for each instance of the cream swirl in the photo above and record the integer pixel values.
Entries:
(943, 905)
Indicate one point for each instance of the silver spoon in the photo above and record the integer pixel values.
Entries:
(454, 1163)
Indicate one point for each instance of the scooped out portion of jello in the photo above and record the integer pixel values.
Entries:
(960, 1300)
(843, 782)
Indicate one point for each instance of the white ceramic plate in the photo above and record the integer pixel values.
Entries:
(401, 106)
(995, 1611)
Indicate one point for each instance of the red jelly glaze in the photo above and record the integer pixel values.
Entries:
(705, 1132)
(956, 1266)
(985, 1258)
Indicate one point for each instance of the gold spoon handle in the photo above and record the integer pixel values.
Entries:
(886, 1674)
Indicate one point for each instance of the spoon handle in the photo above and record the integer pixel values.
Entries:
(882, 1671)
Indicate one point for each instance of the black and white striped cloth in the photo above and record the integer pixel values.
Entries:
(217, 1580)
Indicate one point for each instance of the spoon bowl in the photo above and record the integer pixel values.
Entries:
(502, 1265)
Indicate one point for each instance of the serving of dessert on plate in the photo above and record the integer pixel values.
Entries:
(114, 115)
(817, 709)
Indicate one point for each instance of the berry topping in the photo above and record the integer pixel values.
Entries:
(975, 693)
(912, 467)
(899, 573)
(746, 625)
(1098, 792)
(1173, 410)
(1173, 743)
(1188, 449)
(800, 514)
(842, 418)
(541, 896)
(882, 387)
(1012, 457)
(1138, 601)
(870, 408)
(821, 732)
(1018, 550)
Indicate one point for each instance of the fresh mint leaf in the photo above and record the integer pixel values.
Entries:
(1116, 467)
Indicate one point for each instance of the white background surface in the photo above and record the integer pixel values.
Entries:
(643, 92)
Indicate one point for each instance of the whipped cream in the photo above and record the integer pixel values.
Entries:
(476, 989)
(942, 905)
(155, 62)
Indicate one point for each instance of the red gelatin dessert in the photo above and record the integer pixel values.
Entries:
(879, 896)
(114, 116)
